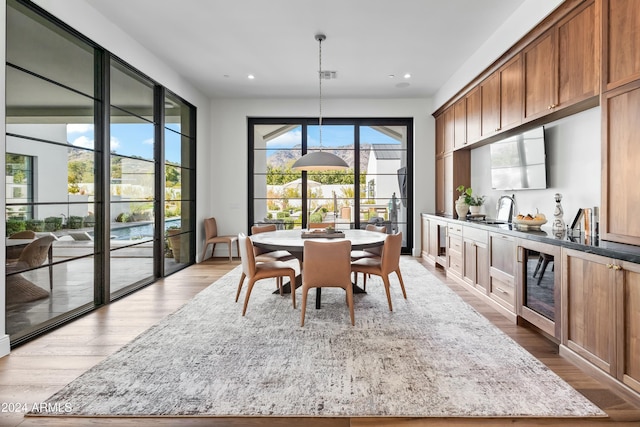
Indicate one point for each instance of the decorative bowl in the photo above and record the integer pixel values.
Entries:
(529, 223)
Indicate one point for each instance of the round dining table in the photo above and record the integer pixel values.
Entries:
(293, 242)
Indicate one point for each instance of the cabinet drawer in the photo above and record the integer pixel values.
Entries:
(480, 236)
(503, 292)
(455, 263)
(455, 229)
(455, 244)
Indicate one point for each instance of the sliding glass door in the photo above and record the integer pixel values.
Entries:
(376, 187)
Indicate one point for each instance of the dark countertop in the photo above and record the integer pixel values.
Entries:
(582, 243)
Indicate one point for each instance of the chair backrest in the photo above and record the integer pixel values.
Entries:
(210, 228)
(36, 252)
(247, 255)
(256, 229)
(378, 228)
(263, 228)
(25, 234)
(391, 253)
(327, 263)
(321, 225)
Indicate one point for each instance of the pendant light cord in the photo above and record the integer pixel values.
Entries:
(320, 79)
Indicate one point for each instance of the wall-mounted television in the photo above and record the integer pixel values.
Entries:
(519, 162)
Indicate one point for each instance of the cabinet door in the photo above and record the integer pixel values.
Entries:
(440, 183)
(448, 184)
(491, 104)
(540, 76)
(424, 238)
(578, 57)
(629, 347)
(440, 135)
(460, 119)
(511, 91)
(449, 129)
(589, 319)
(620, 159)
(434, 239)
(621, 42)
(474, 115)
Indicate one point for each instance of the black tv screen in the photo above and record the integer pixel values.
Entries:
(519, 162)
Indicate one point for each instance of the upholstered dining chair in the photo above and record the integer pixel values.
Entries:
(263, 255)
(327, 264)
(389, 262)
(370, 252)
(255, 271)
(32, 256)
(313, 225)
(212, 238)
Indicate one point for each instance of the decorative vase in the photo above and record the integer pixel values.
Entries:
(461, 208)
(558, 214)
(474, 210)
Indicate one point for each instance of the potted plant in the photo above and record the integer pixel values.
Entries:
(468, 202)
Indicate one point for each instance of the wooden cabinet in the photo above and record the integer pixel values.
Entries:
(474, 115)
(539, 61)
(440, 135)
(440, 178)
(460, 123)
(589, 317)
(475, 267)
(449, 129)
(424, 237)
(628, 348)
(620, 160)
(502, 269)
(562, 66)
(454, 249)
(502, 98)
(621, 40)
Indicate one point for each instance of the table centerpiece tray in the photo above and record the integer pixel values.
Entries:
(323, 234)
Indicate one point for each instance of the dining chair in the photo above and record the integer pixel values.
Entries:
(32, 256)
(389, 262)
(370, 252)
(255, 271)
(327, 264)
(212, 238)
(264, 255)
(313, 225)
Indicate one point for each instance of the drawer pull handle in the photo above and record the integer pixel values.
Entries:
(616, 267)
(501, 290)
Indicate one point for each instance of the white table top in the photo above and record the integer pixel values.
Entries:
(292, 241)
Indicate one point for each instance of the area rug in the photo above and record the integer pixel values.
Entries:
(433, 356)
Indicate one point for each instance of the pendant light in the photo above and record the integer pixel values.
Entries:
(320, 160)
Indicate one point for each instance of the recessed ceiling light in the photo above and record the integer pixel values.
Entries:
(251, 77)
(226, 76)
(407, 76)
(391, 76)
(402, 85)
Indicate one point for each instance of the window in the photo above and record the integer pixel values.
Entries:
(374, 189)
(107, 220)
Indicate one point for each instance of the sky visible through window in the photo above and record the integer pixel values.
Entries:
(332, 136)
(128, 139)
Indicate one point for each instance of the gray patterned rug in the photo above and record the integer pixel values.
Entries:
(433, 356)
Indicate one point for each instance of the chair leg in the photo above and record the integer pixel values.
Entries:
(292, 282)
(230, 250)
(364, 281)
(246, 298)
(304, 304)
(240, 286)
(350, 302)
(404, 293)
(204, 251)
(385, 279)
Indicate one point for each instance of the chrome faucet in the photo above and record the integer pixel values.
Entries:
(506, 208)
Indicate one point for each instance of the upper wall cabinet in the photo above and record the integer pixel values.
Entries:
(621, 42)
(562, 66)
(460, 119)
(502, 98)
(440, 135)
(474, 115)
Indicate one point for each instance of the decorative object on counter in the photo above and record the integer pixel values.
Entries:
(468, 202)
(576, 225)
(558, 214)
(530, 222)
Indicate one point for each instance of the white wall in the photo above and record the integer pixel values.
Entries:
(573, 162)
(228, 202)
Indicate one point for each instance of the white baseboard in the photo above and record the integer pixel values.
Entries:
(5, 347)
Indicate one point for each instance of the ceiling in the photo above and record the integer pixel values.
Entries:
(216, 44)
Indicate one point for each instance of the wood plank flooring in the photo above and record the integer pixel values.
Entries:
(36, 370)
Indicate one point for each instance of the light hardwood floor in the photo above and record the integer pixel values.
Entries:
(36, 370)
